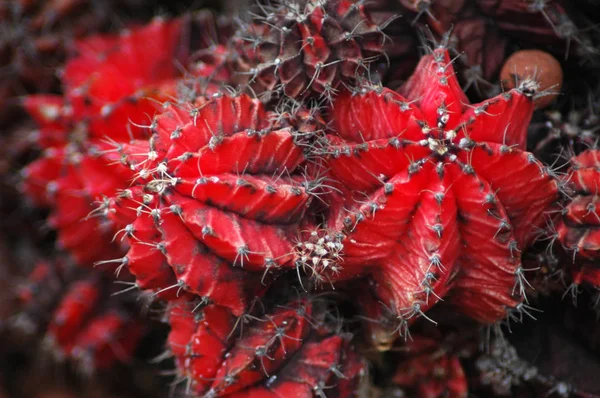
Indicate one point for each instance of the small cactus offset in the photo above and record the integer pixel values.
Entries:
(431, 371)
(579, 229)
(309, 47)
(575, 130)
(579, 232)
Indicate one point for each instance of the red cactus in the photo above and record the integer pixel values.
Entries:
(287, 352)
(439, 195)
(108, 338)
(579, 229)
(431, 199)
(37, 296)
(109, 88)
(80, 321)
(73, 311)
(310, 47)
(220, 192)
(431, 371)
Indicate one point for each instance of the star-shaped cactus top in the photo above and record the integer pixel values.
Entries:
(438, 195)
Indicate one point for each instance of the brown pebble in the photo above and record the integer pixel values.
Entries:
(541, 66)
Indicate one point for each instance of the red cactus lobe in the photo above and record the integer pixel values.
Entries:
(223, 188)
(79, 321)
(353, 369)
(262, 350)
(108, 338)
(579, 229)
(149, 267)
(199, 340)
(306, 375)
(430, 372)
(443, 195)
(586, 172)
(202, 273)
(74, 310)
(285, 352)
(108, 86)
(209, 345)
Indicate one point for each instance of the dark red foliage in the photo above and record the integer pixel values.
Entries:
(310, 48)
